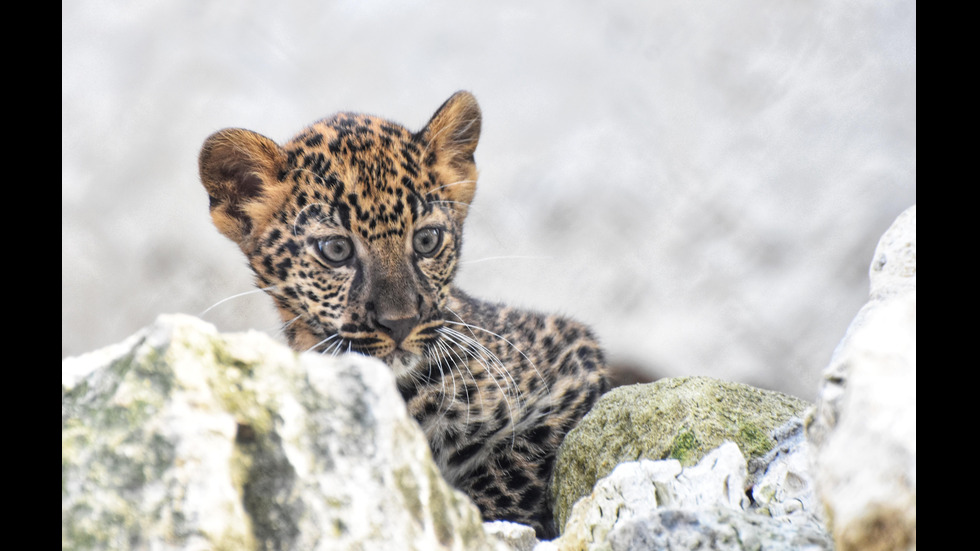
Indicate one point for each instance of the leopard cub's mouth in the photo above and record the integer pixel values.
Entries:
(402, 361)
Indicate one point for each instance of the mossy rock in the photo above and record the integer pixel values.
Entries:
(681, 418)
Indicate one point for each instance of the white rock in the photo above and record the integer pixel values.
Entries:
(713, 529)
(785, 488)
(639, 487)
(717, 480)
(863, 427)
(659, 505)
(892, 271)
(518, 537)
(193, 440)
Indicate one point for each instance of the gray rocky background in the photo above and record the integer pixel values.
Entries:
(701, 181)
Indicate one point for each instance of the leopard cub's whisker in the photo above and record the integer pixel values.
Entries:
(232, 297)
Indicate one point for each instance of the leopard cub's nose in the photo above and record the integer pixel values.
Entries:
(398, 328)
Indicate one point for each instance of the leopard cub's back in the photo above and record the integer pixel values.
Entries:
(354, 228)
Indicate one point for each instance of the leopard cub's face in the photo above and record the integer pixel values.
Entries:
(353, 227)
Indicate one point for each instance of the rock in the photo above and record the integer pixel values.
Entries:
(660, 505)
(682, 418)
(892, 270)
(718, 529)
(181, 438)
(518, 537)
(781, 482)
(638, 487)
(863, 426)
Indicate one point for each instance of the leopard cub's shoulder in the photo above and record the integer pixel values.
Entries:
(354, 228)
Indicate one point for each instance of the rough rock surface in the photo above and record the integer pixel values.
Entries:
(682, 418)
(660, 505)
(180, 438)
(781, 482)
(863, 427)
(713, 529)
(518, 537)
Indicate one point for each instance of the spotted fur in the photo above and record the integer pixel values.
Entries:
(354, 228)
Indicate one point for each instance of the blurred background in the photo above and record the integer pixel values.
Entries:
(703, 182)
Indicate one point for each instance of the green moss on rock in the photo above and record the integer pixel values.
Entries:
(684, 446)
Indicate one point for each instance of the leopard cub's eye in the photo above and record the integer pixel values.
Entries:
(427, 241)
(336, 251)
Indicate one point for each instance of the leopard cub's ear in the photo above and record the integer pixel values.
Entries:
(452, 134)
(242, 173)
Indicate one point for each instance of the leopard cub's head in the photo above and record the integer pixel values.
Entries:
(353, 227)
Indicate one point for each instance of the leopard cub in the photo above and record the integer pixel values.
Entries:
(354, 229)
